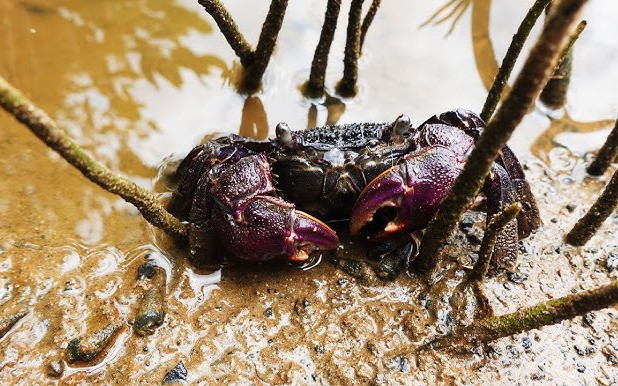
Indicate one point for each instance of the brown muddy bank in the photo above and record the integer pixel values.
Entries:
(138, 81)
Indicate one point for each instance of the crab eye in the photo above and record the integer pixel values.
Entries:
(284, 134)
(401, 125)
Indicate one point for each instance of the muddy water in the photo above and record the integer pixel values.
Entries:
(135, 83)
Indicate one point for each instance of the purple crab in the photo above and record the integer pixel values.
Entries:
(261, 200)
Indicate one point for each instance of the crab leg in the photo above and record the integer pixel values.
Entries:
(500, 193)
(529, 218)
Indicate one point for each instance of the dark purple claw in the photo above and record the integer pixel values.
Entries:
(272, 228)
(415, 187)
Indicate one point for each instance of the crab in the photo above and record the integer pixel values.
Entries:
(259, 200)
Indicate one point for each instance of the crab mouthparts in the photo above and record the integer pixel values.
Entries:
(303, 251)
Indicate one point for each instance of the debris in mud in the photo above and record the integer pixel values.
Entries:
(177, 374)
(86, 348)
(359, 270)
(7, 322)
(517, 277)
(146, 270)
(55, 368)
(392, 264)
(612, 262)
(302, 307)
(151, 312)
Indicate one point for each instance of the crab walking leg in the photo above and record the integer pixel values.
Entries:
(415, 187)
(529, 218)
(500, 193)
(190, 169)
(205, 250)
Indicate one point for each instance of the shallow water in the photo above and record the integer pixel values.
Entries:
(137, 82)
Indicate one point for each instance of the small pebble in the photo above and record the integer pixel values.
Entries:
(526, 343)
(571, 207)
(466, 223)
(55, 368)
(302, 307)
(589, 319)
(513, 351)
(146, 270)
(400, 363)
(612, 262)
(177, 374)
(517, 277)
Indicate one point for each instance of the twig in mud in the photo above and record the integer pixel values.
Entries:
(230, 30)
(347, 85)
(539, 315)
(555, 91)
(371, 14)
(266, 44)
(588, 225)
(512, 53)
(9, 321)
(495, 226)
(315, 85)
(16, 103)
(533, 76)
(607, 154)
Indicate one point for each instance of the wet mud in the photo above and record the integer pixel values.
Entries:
(92, 294)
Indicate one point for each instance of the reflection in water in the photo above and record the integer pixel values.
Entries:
(335, 108)
(484, 54)
(481, 42)
(253, 123)
(453, 10)
(112, 46)
(546, 141)
(312, 116)
(483, 48)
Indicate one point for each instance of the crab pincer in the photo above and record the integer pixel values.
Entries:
(251, 221)
(273, 228)
(415, 187)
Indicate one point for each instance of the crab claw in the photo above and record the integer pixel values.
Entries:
(414, 188)
(271, 228)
